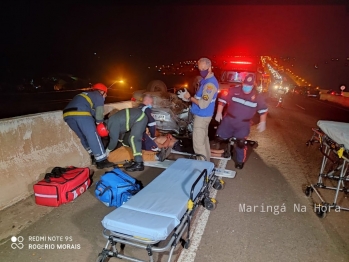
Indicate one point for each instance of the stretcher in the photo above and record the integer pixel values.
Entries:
(333, 138)
(162, 211)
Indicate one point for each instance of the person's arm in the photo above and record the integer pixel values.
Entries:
(263, 117)
(113, 138)
(222, 101)
(151, 123)
(262, 109)
(207, 95)
(99, 114)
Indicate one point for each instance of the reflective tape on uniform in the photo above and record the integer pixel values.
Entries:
(244, 102)
(262, 111)
(88, 99)
(77, 113)
(221, 100)
(141, 117)
(133, 146)
(127, 119)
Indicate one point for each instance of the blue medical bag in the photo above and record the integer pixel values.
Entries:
(116, 187)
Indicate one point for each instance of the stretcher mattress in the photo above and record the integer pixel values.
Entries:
(337, 131)
(158, 208)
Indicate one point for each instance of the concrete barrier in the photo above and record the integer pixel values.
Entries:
(342, 100)
(32, 145)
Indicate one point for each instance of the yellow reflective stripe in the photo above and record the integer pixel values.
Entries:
(88, 99)
(132, 142)
(127, 119)
(77, 113)
(142, 238)
(141, 117)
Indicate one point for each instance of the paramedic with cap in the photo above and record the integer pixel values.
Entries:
(242, 103)
(82, 114)
(131, 120)
(203, 105)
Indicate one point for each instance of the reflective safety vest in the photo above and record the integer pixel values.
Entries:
(208, 111)
(73, 111)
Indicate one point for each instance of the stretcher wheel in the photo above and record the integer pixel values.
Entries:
(102, 258)
(308, 191)
(321, 210)
(209, 204)
(218, 185)
(187, 244)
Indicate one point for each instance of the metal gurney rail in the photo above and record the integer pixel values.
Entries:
(333, 138)
(162, 211)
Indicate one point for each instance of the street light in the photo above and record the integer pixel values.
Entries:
(121, 82)
(117, 81)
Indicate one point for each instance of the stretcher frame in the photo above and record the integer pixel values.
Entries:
(335, 160)
(202, 198)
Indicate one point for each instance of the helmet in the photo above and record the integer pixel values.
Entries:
(102, 131)
(100, 86)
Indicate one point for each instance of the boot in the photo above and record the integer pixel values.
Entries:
(93, 160)
(239, 165)
(128, 163)
(104, 164)
(136, 166)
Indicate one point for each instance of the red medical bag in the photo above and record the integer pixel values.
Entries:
(62, 185)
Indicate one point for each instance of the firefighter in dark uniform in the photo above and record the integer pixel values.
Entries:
(131, 120)
(242, 103)
(203, 104)
(82, 114)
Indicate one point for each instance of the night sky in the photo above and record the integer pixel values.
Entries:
(105, 40)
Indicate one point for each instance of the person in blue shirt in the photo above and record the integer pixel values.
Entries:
(82, 114)
(242, 102)
(203, 105)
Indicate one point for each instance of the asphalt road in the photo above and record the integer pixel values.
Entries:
(262, 214)
(275, 175)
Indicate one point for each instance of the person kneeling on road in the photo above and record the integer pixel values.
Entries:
(131, 120)
(242, 102)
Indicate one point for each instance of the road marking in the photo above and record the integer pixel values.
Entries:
(188, 255)
(300, 107)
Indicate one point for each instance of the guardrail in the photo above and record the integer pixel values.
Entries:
(341, 99)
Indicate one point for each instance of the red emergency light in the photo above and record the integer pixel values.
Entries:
(240, 62)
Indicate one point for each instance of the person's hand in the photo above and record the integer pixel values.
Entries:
(184, 95)
(107, 152)
(219, 117)
(261, 126)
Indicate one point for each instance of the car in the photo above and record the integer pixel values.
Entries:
(312, 92)
(334, 92)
